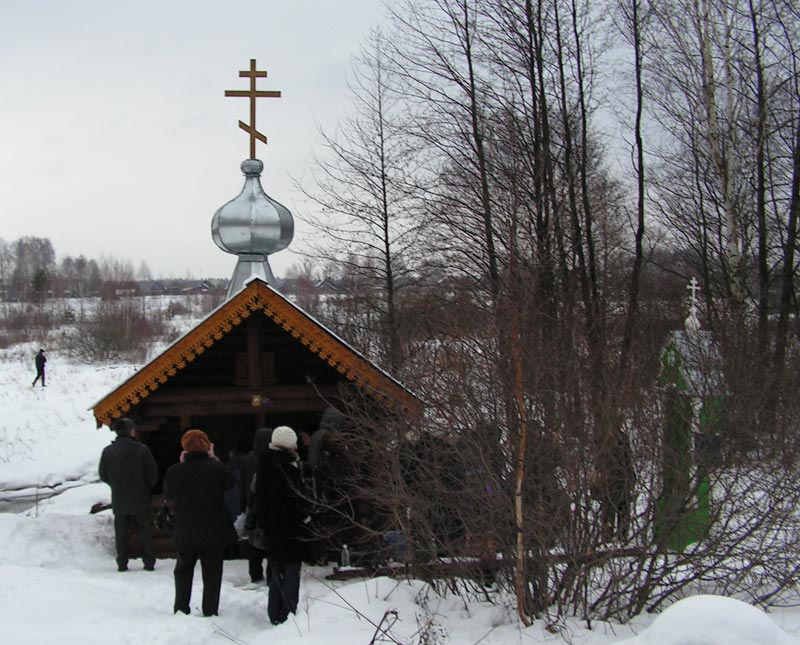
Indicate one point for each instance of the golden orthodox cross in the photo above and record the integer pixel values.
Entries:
(253, 94)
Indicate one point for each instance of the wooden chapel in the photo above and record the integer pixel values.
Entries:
(256, 361)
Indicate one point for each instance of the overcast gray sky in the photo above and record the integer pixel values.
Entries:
(115, 135)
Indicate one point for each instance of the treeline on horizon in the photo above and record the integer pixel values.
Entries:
(30, 273)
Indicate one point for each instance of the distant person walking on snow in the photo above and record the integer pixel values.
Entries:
(130, 469)
(40, 360)
(195, 488)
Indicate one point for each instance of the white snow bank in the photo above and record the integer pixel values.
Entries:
(56, 541)
(713, 620)
(75, 501)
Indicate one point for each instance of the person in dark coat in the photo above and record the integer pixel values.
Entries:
(255, 555)
(195, 488)
(612, 485)
(39, 361)
(283, 516)
(337, 507)
(232, 496)
(130, 469)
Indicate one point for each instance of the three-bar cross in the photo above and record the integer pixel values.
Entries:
(693, 288)
(253, 94)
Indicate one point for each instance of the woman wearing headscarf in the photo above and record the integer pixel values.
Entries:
(195, 488)
(283, 515)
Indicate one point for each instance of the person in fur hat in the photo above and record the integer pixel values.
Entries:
(283, 516)
(195, 487)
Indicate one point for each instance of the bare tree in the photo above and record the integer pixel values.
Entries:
(143, 273)
(541, 365)
(34, 256)
(725, 183)
(363, 197)
(633, 18)
(787, 121)
(116, 269)
(7, 262)
(303, 274)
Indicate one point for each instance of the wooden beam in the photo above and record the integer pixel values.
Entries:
(255, 335)
(205, 409)
(227, 394)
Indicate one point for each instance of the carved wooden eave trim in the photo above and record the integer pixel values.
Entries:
(256, 296)
(334, 351)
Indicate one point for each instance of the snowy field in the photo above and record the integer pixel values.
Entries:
(60, 584)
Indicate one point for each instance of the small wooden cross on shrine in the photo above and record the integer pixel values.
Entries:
(253, 94)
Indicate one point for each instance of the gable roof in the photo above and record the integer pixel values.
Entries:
(256, 296)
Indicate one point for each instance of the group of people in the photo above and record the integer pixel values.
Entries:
(195, 488)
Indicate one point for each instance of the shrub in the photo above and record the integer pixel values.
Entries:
(116, 329)
(176, 308)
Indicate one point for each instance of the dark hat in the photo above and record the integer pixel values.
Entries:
(123, 426)
(195, 441)
(261, 440)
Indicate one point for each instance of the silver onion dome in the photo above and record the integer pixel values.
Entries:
(252, 225)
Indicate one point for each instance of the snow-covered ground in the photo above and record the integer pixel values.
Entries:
(59, 584)
(48, 438)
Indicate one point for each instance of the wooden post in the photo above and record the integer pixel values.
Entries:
(255, 350)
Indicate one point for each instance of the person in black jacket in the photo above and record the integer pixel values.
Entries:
(39, 361)
(130, 469)
(195, 488)
(283, 516)
(255, 554)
